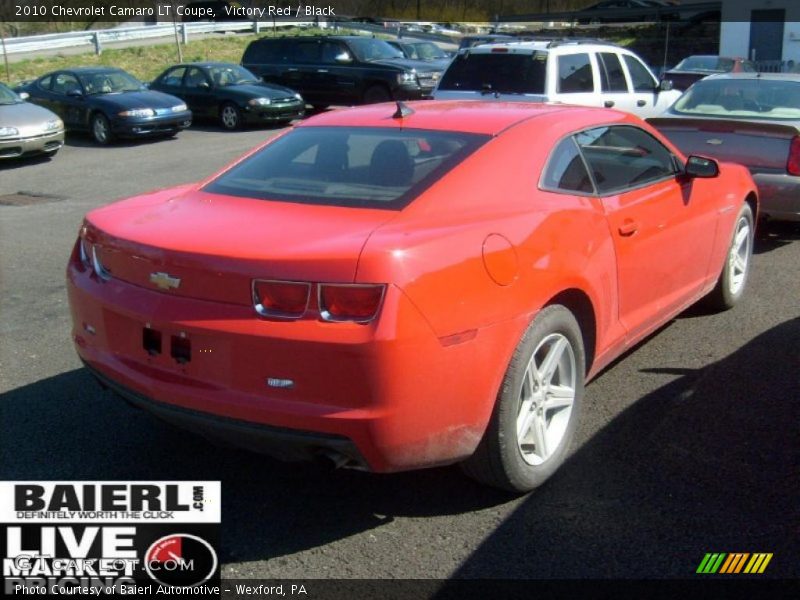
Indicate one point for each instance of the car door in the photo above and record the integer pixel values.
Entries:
(336, 77)
(198, 93)
(300, 72)
(69, 100)
(663, 235)
(613, 83)
(171, 82)
(646, 98)
(575, 80)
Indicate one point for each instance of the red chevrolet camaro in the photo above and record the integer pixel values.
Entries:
(401, 287)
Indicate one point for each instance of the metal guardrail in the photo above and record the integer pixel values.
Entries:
(100, 37)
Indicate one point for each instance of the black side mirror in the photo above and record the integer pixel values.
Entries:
(665, 85)
(204, 85)
(699, 166)
(75, 94)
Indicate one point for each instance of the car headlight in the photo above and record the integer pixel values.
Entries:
(299, 97)
(407, 77)
(8, 131)
(259, 102)
(53, 124)
(138, 112)
(179, 108)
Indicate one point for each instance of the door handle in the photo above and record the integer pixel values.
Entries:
(628, 228)
(641, 102)
(292, 70)
(322, 70)
(608, 103)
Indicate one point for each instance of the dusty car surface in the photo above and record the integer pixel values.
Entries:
(26, 128)
(399, 286)
(749, 118)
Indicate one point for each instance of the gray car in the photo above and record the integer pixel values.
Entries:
(26, 128)
(748, 118)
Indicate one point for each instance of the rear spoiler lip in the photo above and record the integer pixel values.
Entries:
(711, 124)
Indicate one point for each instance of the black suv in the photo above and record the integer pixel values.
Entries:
(340, 69)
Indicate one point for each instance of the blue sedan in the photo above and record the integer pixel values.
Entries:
(108, 103)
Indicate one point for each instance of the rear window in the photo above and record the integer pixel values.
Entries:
(500, 72)
(737, 98)
(361, 167)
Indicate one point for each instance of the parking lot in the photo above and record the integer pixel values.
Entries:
(687, 445)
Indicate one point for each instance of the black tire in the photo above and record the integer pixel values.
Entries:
(230, 116)
(732, 280)
(101, 129)
(501, 460)
(377, 93)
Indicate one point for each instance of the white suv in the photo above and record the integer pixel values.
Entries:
(584, 72)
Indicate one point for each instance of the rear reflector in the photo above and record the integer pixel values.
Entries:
(350, 302)
(281, 299)
(499, 50)
(793, 163)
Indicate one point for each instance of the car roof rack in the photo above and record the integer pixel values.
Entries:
(576, 40)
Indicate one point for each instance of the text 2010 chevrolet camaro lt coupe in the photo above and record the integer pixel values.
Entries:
(401, 287)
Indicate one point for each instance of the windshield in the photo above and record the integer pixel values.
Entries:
(751, 98)
(109, 82)
(712, 64)
(496, 72)
(354, 167)
(7, 96)
(427, 51)
(231, 75)
(368, 50)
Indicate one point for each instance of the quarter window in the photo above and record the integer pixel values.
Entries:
(641, 78)
(612, 78)
(566, 170)
(623, 156)
(44, 82)
(575, 74)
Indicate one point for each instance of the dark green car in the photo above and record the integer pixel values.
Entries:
(230, 94)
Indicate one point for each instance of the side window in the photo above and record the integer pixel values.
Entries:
(566, 170)
(641, 78)
(263, 52)
(612, 78)
(574, 74)
(624, 156)
(174, 77)
(64, 83)
(45, 82)
(305, 52)
(196, 78)
(332, 50)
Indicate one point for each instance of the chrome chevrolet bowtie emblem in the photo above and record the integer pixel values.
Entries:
(165, 281)
(714, 141)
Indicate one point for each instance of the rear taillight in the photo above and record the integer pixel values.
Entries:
(793, 163)
(281, 299)
(350, 302)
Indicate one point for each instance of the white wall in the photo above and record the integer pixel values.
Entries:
(735, 28)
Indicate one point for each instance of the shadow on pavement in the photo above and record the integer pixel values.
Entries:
(66, 427)
(775, 234)
(707, 463)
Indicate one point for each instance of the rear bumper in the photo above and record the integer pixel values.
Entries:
(284, 444)
(779, 196)
(45, 143)
(391, 390)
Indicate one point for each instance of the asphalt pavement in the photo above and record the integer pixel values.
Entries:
(689, 444)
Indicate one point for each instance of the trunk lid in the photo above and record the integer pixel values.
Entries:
(759, 145)
(216, 245)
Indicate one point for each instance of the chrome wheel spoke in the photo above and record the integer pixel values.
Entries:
(559, 396)
(524, 421)
(551, 360)
(539, 435)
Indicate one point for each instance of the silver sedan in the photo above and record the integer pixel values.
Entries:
(26, 128)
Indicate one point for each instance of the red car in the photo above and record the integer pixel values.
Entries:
(402, 287)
